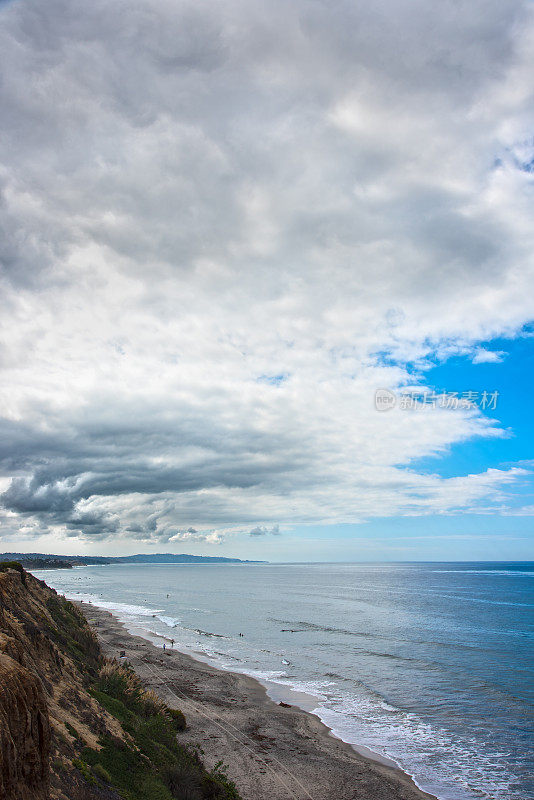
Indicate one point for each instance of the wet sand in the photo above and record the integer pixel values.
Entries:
(271, 751)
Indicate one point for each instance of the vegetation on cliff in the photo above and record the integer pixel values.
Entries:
(84, 728)
(152, 764)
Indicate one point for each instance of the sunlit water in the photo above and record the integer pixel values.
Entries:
(429, 664)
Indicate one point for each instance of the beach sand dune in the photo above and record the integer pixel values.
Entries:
(271, 751)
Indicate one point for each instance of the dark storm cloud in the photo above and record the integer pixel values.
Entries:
(117, 458)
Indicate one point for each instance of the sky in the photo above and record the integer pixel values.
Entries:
(224, 227)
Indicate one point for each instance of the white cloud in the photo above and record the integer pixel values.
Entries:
(522, 511)
(262, 530)
(195, 197)
(483, 356)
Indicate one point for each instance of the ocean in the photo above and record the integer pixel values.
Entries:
(429, 665)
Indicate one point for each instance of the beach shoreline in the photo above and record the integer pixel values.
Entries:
(272, 751)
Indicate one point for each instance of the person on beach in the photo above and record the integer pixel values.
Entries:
(172, 642)
(164, 645)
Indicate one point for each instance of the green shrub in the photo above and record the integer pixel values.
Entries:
(224, 787)
(157, 738)
(81, 765)
(72, 730)
(73, 634)
(182, 782)
(115, 707)
(128, 769)
(102, 773)
(178, 719)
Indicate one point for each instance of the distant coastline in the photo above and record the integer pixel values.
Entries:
(53, 561)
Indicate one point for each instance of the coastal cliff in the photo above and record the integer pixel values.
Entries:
(75, 726)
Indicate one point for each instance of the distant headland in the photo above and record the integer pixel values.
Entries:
(51, 561)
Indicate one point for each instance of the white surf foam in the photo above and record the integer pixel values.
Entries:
(115, 608)
(171, 622)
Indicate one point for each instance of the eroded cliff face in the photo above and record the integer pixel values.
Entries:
(24, 732)
(47, 656)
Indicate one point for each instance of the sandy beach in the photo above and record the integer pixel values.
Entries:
(271, 751)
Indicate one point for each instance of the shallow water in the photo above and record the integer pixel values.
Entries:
(429, 664)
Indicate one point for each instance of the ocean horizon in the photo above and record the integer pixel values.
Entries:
(427, 664)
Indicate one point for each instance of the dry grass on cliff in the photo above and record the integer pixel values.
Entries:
(121, 682)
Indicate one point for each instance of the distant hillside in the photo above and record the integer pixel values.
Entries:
(182, 558)
(51, 561)
(31, 561)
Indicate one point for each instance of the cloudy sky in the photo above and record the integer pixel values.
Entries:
(223, 227)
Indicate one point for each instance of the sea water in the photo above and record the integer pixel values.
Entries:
(430, 665)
